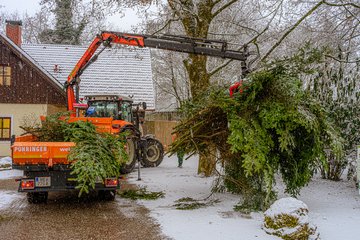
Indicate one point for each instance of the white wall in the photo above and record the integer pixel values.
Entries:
(18, 113)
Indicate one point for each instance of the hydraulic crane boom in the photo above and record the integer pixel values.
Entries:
(168, 42)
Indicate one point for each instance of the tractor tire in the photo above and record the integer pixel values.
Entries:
(129, 166)
(37, 197)
(153, 154)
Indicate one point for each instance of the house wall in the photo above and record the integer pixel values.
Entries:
(27, 84)
(21, 112)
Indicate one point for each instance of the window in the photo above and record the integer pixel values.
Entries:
(5, 128)
(5, 76)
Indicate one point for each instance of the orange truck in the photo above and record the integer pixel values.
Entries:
(47, 169)
(45, 164)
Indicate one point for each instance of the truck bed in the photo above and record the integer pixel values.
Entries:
(46, 154)
(47, 169)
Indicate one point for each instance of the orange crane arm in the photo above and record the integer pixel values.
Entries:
(106, 38)
(196, 46)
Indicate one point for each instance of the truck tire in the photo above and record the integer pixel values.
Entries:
(37, 197)
(129, 166)
(153, 154)
(107, 195)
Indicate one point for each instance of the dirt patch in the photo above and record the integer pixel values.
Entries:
(65, 216)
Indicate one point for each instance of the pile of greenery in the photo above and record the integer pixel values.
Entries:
(273, 126)
(188, 203)
(141, 193)
(95, 156)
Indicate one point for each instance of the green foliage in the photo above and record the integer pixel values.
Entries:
(188, 203)
(281, 221)
(286, 221)
(51, 129)
(140, 193)
(274, 125)
(335, 85)
(7, 165)
(95, 155)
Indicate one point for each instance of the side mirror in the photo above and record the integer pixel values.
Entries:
(144, 105)
(12, 140)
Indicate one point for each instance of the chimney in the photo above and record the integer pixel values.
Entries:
(13, 31)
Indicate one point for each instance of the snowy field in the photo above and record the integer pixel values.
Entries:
(7, 172)
(334, 206)
(5, 163)
(7, 197)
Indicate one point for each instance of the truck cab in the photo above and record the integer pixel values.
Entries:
(115, 106)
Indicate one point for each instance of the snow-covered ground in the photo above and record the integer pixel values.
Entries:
(12, 173)
(7, 197)
(5, 163)
(7, 173)
(334, 206)
(5, 160)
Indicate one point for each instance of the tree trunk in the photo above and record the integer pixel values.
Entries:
(197, 24)
(207, 162)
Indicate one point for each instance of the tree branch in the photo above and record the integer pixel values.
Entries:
(225, 6)
(292, 29)
(168, 22)
(216, 70)
(342, 61)
(341, 4)
(254, 39)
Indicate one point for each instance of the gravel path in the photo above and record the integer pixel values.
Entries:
(67, 217)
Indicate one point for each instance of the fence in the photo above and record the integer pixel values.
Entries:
(161, 125)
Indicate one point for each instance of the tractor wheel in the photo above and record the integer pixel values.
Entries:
(129, 166)
(37, 197)
(153, 154)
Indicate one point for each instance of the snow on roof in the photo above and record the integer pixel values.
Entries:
(118, 70)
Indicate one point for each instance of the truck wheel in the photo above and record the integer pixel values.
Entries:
(107, 195)
(154, 153)
(129, 166)
(37, 197)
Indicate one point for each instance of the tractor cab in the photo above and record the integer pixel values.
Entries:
(115, 106)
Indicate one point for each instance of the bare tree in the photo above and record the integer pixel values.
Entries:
(271, 29)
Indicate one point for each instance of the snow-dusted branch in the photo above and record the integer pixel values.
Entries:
(313, 9)
(222, 8)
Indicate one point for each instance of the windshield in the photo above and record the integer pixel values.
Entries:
(102, 109)
(125, 113)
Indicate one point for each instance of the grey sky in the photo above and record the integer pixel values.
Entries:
(21, 6)
(31, 6)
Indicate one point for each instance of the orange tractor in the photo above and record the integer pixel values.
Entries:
(45, 164)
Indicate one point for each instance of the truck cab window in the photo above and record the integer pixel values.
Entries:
(102, 109)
